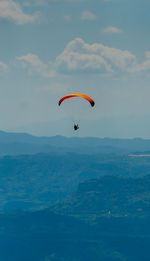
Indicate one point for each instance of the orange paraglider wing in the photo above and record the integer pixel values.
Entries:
(88, 98)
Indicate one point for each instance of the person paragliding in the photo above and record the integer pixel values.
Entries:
(84, 96)
(76, 127)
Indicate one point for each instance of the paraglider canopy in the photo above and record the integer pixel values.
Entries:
(88, 98)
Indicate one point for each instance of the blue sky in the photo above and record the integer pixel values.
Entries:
(49, 48)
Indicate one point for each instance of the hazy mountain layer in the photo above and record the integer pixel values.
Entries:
(109, 196)
(22, 143)
(41, 180)
(123, 234)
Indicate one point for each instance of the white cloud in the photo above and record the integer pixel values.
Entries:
(112, 30)
(75, 58)
(34, 65)
(10, 10)
(81, 57)
(87, 15)
(144, 66)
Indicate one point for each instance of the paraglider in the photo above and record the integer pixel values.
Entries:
(76, 127)
(84, 96)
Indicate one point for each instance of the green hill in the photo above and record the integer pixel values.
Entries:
(82, 230)
(108, 197)
(40, 180)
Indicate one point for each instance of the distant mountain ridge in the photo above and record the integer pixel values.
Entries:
(12, 143)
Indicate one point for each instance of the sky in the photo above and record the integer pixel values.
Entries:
(50, 48)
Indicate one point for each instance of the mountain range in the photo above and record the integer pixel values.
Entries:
(74, 199)
(31, 182)
(22, 143)
(106, 219)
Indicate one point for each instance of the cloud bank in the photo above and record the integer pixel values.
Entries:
(81, 57)
(10, 10)
(33, 64)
